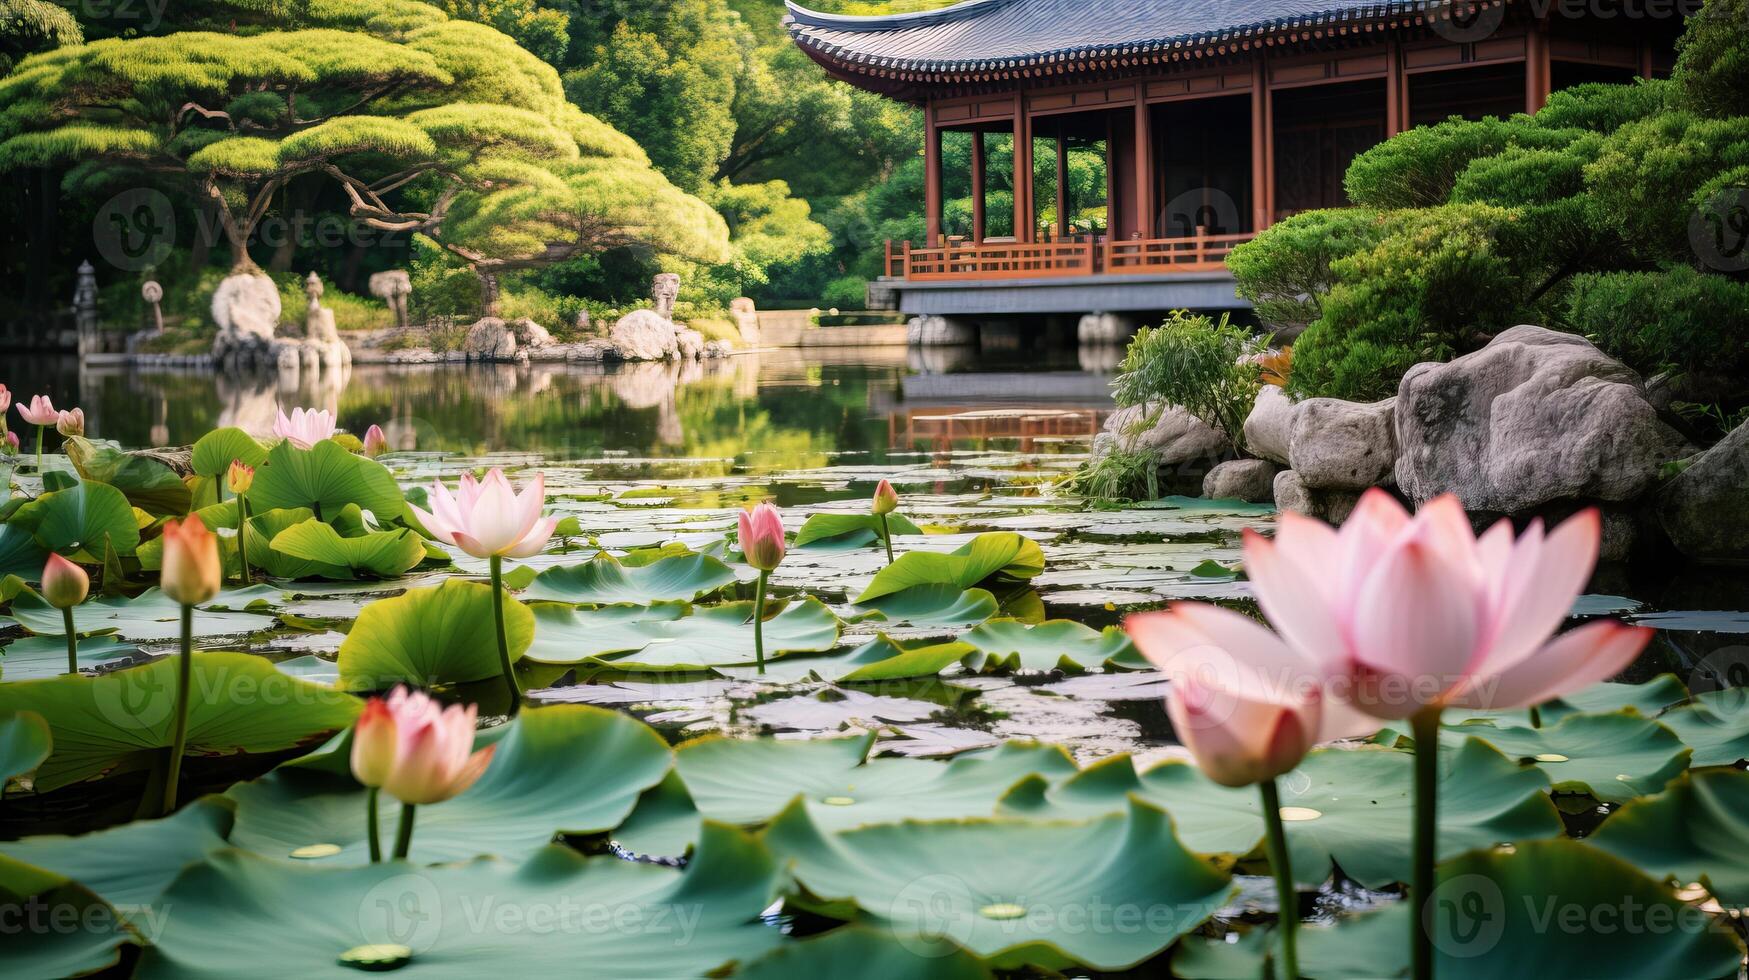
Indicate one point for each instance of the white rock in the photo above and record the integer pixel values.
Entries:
(1250, 480)
(940, 331)
(1343, 445)
(490, 339)
(644, 335)
(1177, 435)
(1104, 328)
(1269, 427)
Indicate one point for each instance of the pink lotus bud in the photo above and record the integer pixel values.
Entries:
(489, 518)
(12, 443)
(190, 573)
(71, 422)
(305, 427)
(240, 477)
(40, 411)
(5, 401)
(886, 499)
(761, 537)
(65, 584)
(417, 750)
(375, 443)
(373, 744)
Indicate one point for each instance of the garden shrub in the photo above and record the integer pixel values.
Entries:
(1285, 271)
(1418, 168)
(1672, 319)
(1648, 178)
(1604, 108)
(1198, 364)
(845, 293)
(1712, 61)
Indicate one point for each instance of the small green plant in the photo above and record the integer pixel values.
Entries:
(1119, 474)
(1204, 366)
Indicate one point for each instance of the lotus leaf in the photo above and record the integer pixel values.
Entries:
(442, 635)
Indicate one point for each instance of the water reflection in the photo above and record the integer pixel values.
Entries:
(786, 408)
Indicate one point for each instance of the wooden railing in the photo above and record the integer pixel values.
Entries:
(973, 261)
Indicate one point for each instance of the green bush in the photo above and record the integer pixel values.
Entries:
(845, 293)
(442, 284)
(1285, 271)
(1649, 176)
(1712, 62)
(1604, 108)
(1198, 364)
(1419, 167)
(1673, 319)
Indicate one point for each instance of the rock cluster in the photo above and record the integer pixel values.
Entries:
(247, 310)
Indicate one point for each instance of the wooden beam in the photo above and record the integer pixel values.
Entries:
(931, 179)
(1144, 175)
(977, 185)
(1023, 222)
(1537, 79)
(1262, 146)
(1646, 60)
(1396, 90)
(1062, 183)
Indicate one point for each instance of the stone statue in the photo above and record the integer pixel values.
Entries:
(393, 287)
(85, 310)
(746, 319)
(318, 319)
(313, 289)
(153, 294)
(664, 290)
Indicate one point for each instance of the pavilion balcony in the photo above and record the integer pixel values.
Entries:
(1088, 255)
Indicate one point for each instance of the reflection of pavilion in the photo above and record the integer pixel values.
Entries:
(971, 409)
(1028, 426)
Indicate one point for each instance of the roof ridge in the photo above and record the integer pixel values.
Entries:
(799, 14)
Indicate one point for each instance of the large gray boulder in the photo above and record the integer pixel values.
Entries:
(1705, 509)
(643, 335)
(689, 343)
(1269, 427)
(1178, 436)
(1536, 416)
(490, 339)
(940, 331)
(1105, 328)
(1330, 506)
(1342, 445)
(530, 334)
(1250, 480)
(246, 308)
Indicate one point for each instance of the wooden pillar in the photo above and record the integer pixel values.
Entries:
(1396, 90)
(977, 185)
(1262, 149)
(931, 179)
(1144, 175)
(1645, 60)
(1537, 78)
(1062, 182)
(1023, 223)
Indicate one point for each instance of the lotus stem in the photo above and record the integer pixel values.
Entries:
(759, 621)
(1425, 725)
(1536, 716)
(72, 641)
(1287, 898)
(179, 738)
(497, 565)
(404, 833)
(887, 538)
(39, 451)
(243, 540)
(370, 822)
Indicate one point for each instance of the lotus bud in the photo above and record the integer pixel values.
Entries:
(40, 411)
(5, 402)
(886, 499)
(71, 422)
(191, 571)
(12, 443)
(373, 744)
(240, 477)
(433, 756)
(65, 584)
(375, 442)
(761, 535)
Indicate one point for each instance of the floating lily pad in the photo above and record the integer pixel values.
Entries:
(1696, 830)
(215, 451)
(324, 479)
(1715, 726)
(24, 744)
(381, 554)
(836, 708)
(1696, 620)
(944, 604)
(846, 531)
(670, 636)
(1648, 699)
(994, 555)
(1611, 757)
(92, 946)
(80, 521)
(444, 635)
(151, 615)
(557, 914)
(860, 953)
(122, 720)
(605, 580)
(130, 866)
(984, 884)
(147, 483)
(1355, 807)
(1058, 644)
(32, 657)
(562, 769)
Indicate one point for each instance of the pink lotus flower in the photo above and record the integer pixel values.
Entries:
(5, 402)
(886, 499)
(417, 750)
(40, 411)
(71, 422)
(375, 442)
(761, 537)
(65, 584)
(490, 519)
(305, 427)
(190, 571)
(12, 443)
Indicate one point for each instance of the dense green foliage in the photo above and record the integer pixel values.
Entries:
(1198, 364)
(1593, 215)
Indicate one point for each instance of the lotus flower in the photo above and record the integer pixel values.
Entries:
(5, 404)
(71, 422)
(886, 499)
(240, 477)
(761, 537)
(40, 411)
(12, 443)
(305, 427)
(375, 442)
(190, 571)
(416, 749)
(65, 584)
(489, 519)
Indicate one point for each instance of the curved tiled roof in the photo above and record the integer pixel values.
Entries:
(996, 37)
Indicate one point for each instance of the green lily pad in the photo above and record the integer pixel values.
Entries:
(1354, 806)
(151, 615)
(1715, 726)
(675, 636)
(994, 555)
(1057, 644)
(215, 451)
(843, 532)
(262, 529)
(943, 604)
(79, 520)
(860, 953)
(32, 657)
(880, 659)
(568, 768)
(381, 554)
(324, 478)
(1003, 889)
(1611, 757)
(442, 635)
(1696, 830)
(122, 720)
(129, 866)
(44, 950)
(24, 744)
(147, 483)
(605, 580)
(1648, 699)
(19, 553)
(558, 914)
